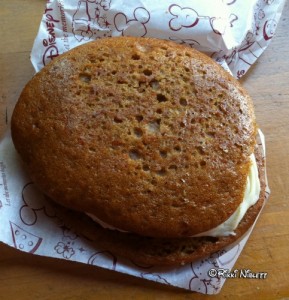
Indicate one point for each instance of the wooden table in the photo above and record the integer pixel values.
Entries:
(23, 276)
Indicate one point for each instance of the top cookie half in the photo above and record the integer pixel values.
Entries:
(149, 136)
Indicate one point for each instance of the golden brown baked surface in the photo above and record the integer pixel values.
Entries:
(149, 136)
(165, 251)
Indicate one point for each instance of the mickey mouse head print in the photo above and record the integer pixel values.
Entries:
(187, 17)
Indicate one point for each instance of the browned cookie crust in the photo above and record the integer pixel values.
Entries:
(149, 136)
(158, 251)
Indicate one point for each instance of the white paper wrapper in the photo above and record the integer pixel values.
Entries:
(233, 32)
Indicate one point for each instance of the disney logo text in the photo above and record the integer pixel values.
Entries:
(51, 50)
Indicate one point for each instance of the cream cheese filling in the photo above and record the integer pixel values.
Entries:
(251, 196)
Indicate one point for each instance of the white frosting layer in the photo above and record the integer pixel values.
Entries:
(251, 196)
(103, 224)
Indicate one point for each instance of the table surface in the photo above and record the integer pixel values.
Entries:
(24, 276)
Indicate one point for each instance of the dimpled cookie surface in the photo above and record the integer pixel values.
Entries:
(149, 136)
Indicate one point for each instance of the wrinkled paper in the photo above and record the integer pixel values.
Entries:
(232, 32)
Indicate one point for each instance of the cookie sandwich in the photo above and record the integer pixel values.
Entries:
(151, 139)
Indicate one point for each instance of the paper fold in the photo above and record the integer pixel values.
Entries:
(234, 33)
